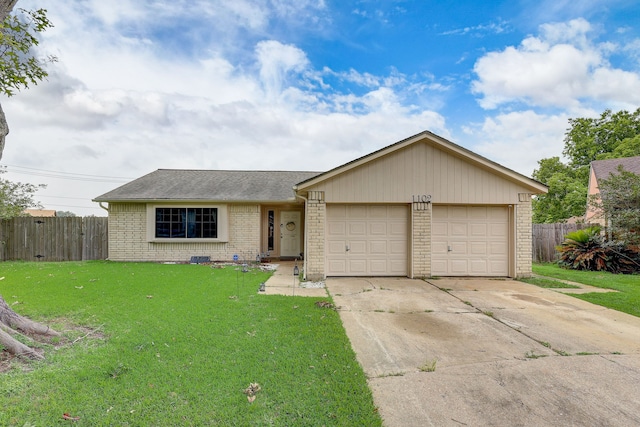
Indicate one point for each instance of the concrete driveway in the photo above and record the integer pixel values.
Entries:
(505, 353)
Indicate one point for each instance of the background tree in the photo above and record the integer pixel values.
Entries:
(567, 193)
(65, 214)
(612, 135)
(15, 197)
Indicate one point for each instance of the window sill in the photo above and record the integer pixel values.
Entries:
(185, 240)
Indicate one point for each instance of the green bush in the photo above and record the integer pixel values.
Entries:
(586, 250)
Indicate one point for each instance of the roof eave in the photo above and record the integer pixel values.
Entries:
(225, 201)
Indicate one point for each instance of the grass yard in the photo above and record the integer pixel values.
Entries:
(627, 299)
(177, 345)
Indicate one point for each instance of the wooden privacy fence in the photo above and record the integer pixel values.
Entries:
(547, 236)
(53, 239)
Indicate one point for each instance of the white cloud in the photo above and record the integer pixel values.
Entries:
(277, 61)
(518, 140)
(560, 68)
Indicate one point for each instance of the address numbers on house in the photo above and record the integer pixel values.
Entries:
(421, 202)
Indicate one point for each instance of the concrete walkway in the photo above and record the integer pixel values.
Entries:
(284, 282)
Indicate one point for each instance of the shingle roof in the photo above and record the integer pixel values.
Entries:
(603, 168)
(209, 185)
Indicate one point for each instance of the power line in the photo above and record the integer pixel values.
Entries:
(71, 206)
(66, 175)
(64, 197)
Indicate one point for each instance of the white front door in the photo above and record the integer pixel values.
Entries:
(290, 232)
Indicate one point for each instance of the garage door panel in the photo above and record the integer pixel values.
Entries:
(357, 267)
(378, 266)
(397, 267)
(458, 248)
(336, 246)
(357, 247)
(498, 248)
(438, 247)
(357, 228)
(378, 247)
(478, 239)
(356, 211)
(479, 248)
(375, 235)
(478, 267)
(378, 228)
(438, 229)
(398, 229)
(497, 266)
(338, 266)
(438, 265)
(336, 228)
(459, 267)
(478, 230)
(458, 212)
(498, 230)
(398, 248)
(479, 214)
(380, 212)
(459, 229)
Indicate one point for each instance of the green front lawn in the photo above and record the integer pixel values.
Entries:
(627, 299)
(177, 345)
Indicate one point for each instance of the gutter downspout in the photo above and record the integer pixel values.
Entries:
(106, 209)
(306, 247)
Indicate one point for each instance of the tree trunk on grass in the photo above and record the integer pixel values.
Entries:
(12, 324)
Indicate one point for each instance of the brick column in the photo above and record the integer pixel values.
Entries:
(420, 240)
(524, 239)
(315, 220)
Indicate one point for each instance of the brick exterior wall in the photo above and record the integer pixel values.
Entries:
(421, 240)
(524, 239)
(128, 237)
(316, 216)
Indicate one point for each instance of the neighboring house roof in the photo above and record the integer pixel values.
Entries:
(603, 168)
(209, 185)
(534, 186)
(40, 212)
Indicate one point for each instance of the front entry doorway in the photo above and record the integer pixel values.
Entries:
(290, 229)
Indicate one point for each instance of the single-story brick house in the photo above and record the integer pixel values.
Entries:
(421, 207)
(600, 170)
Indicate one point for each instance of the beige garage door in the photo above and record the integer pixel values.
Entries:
(367, 240)
(470, 241)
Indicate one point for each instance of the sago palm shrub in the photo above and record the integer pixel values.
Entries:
(583, 250)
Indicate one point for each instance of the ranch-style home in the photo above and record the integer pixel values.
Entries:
(600, 170)
(421, 207)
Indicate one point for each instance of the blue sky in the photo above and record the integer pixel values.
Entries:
(308, 84)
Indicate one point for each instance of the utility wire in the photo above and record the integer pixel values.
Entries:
(66, 175)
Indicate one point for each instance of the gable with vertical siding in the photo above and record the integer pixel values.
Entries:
(422, 167)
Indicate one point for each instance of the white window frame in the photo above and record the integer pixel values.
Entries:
(222, 224)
